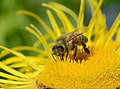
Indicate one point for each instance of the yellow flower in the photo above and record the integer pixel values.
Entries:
(99, 70)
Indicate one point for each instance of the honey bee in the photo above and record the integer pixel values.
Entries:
(69, 42)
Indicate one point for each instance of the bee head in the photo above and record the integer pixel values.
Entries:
(58, 50)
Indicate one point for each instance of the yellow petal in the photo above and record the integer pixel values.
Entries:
(81, 15)
(112, 30)
(54, 23)
(12, 77)
(40, 37)
(21, 56)
(66, 9)
(13, 82)
(12, 71)
(63, 18)
(92, 21)
(47, 28)
(20, 48)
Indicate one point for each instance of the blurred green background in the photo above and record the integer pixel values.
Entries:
(12, 31)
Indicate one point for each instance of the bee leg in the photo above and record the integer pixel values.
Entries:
(84, 47)
(67, 54)
(75, 52)
(62, 59)
(53, 57)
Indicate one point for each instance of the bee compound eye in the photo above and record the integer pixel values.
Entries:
(60, 48)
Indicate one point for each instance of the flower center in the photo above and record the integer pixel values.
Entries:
(101, 65)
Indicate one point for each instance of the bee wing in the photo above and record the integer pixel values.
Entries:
(80, 30)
